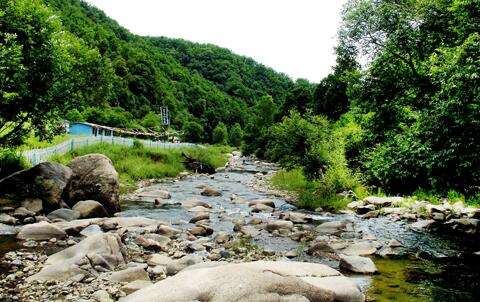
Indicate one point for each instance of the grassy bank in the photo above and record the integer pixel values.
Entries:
(33, 142)
(137, 163)
(312, 194)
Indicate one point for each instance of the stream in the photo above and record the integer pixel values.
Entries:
(429, 266)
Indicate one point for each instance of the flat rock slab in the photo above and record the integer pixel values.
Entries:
(194, 203)
(360, 249)
(7, 229)
(175, 266)
(91, 230)
(423, 224)
(161, 194)
(158, 259)
(333, 227)
(130, 275)
(41, 231)
(135, 285)
(384, 201)
(345, 289)
(254, 281)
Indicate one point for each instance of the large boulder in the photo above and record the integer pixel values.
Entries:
(41, 231)
(255, 281)
(98, 250)
(45, 181)
(94, 178)
(90, 209)
(64, 214)
(358, 264)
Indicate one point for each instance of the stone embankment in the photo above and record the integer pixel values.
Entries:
(446, 216)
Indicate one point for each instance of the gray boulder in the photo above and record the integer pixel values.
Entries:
(64, 214)
(260, 281)
(94, 178)
(267, 202)
(278, 225)
(90, 209)
(45, 181)
(363, 248)
(33, 204)
(130, 274)
(210, 192)
(7, 219)
(357, 264)
(98, 250)
(175, 266)
(41, 231)
(7, 229)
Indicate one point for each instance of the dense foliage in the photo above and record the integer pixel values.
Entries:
(409, 118)
(44, 71)
(94, 70)
(418, 102)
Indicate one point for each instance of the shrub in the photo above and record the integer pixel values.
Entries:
(137, 144)
(219, 134)
(11, 162)
(193, 132)
(236, 135)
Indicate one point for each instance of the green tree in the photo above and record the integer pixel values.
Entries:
(418, 100)
(236, 135)
(74, 116)
(45, 70)
(193, 132)
(220, 134)
(315, 145)
(331, 94)
(152, 121)
(262, 116)
(299, 98)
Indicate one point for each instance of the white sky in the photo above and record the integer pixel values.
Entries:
(291, 36)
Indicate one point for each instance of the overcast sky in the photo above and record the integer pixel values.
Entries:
(291, 36)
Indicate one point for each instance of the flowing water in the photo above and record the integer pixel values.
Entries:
(430, 267)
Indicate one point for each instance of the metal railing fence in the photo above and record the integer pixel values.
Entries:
(36, 156)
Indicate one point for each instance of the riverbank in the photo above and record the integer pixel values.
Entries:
(142, 164)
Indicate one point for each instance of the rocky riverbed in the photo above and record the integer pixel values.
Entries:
(228, 235)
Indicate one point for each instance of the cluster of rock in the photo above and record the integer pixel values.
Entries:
(105, 259)
(424, 215)
(101, 258)
(87, 188)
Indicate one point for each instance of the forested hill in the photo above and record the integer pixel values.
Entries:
(200, 83)
(236, 75)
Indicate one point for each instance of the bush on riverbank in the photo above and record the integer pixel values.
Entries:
(312, 194)
(11, 162)
(318, 146)
(135, 164)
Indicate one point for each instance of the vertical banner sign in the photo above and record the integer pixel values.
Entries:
(165, 120)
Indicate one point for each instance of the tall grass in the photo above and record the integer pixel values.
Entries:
(312, 194)
(33, 142)
(138, 163)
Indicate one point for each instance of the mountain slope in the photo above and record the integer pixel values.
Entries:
(236, 75)
(147, 73)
